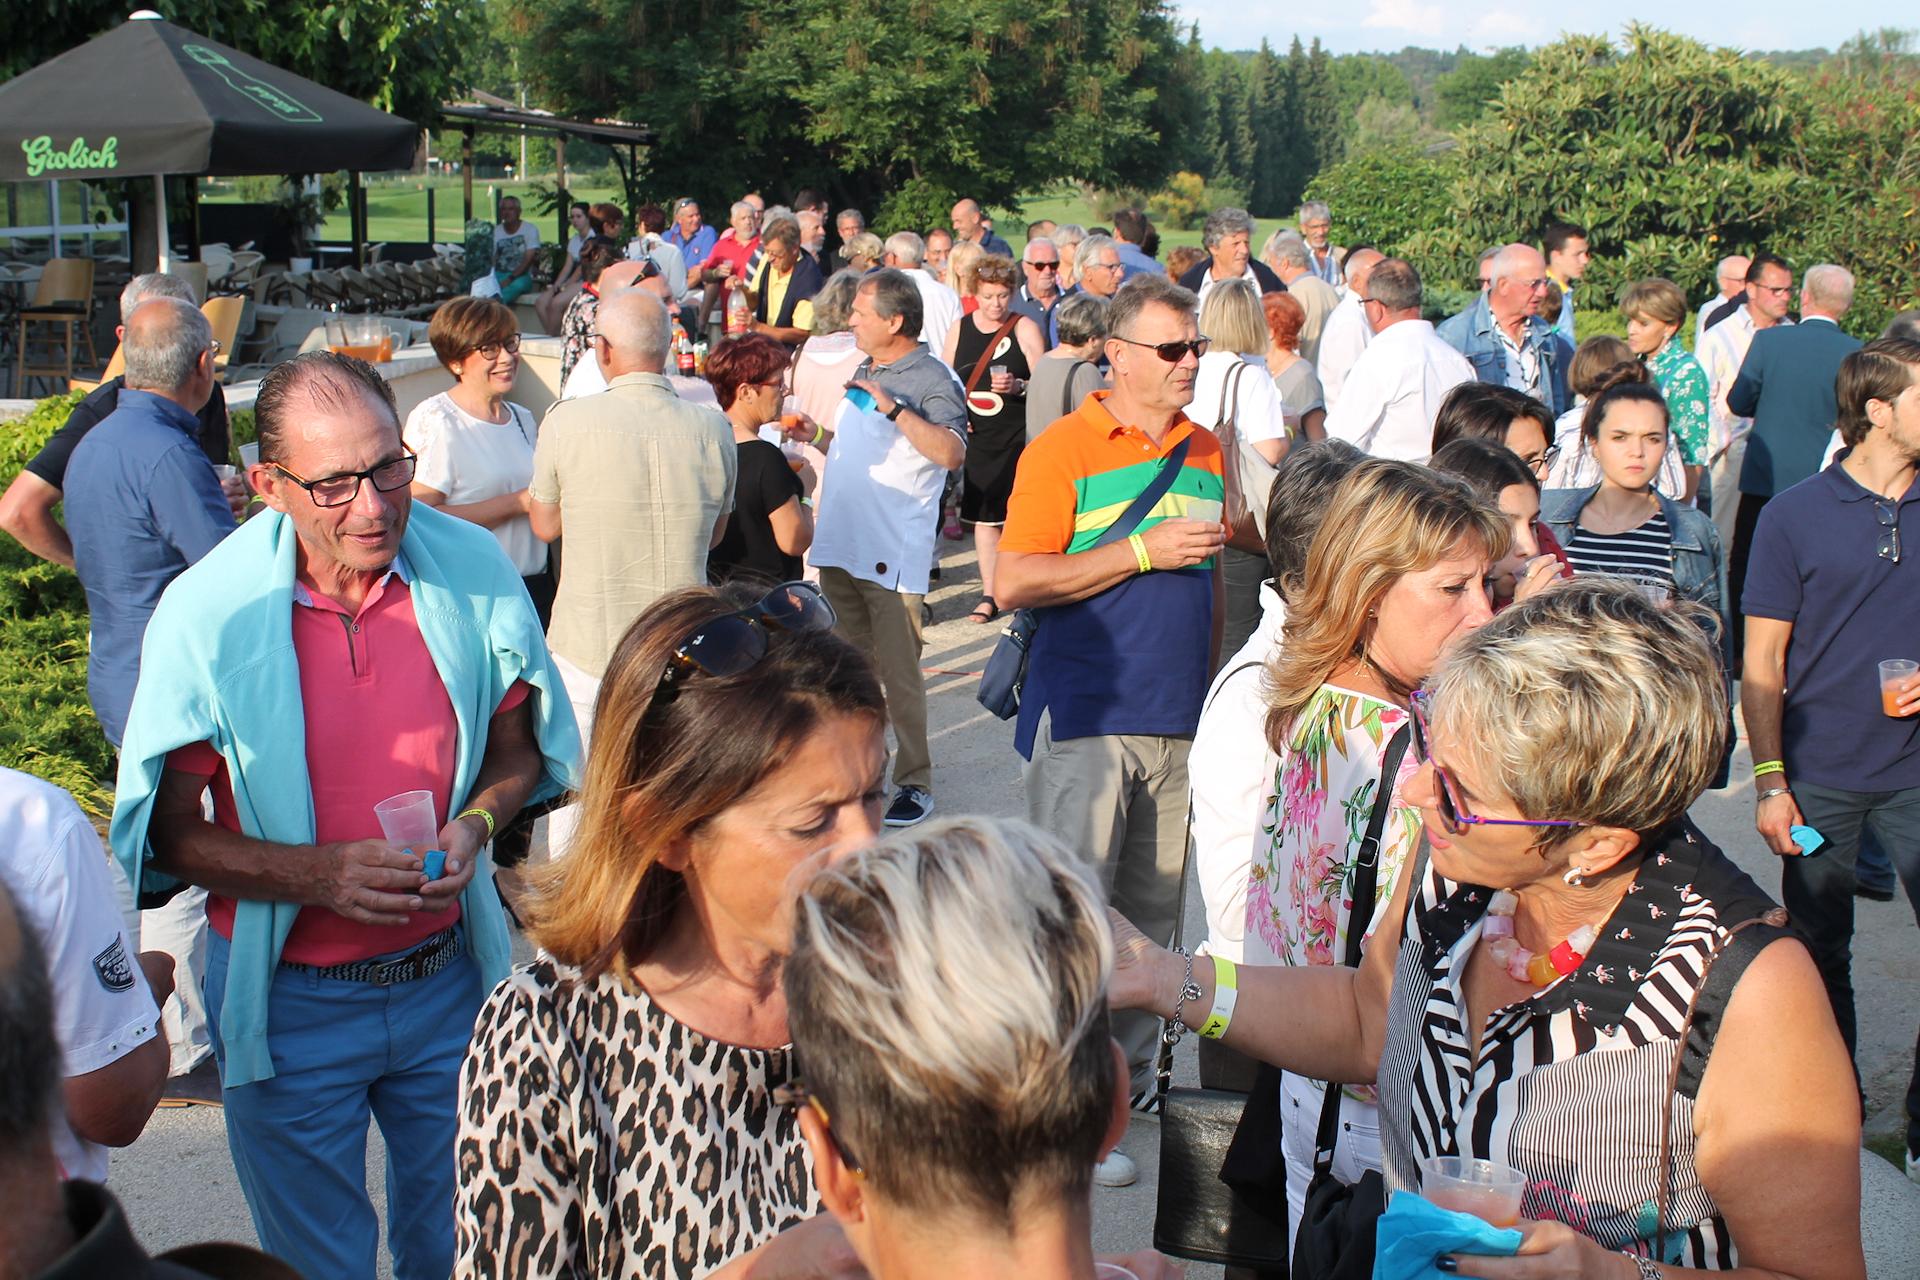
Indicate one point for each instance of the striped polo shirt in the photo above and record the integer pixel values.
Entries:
(1133, 659)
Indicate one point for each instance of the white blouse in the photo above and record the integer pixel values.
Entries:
(470, 460)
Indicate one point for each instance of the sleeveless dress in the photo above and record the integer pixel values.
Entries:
(996, 423)
(1569, 1084)
(601, 1139)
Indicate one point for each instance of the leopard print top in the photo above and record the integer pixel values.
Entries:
(601, 1138)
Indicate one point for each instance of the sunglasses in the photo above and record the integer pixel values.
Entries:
(1045, 266)
(1454, 813)
(1172, 352)
(736, 642)
(793, 1095)
(1887, 513)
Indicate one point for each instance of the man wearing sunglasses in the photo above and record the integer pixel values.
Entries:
(1128, 631)
(1395, 389)
(1833, 587)
(1504, 336)
(340, 650)
(1036, 299)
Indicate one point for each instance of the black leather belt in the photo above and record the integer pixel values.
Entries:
(425, 960)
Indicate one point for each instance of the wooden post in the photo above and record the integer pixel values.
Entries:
(466, 175)
(357, 220)
(431, 237)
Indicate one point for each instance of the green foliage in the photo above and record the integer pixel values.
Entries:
(400, 55)
(1671, 155)
(47, 727)
(984, 97)
(1462, 95)
(241, 422)
(1187, 199)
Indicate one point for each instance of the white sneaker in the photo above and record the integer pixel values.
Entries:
(1913, 1168)
(1118, 1170)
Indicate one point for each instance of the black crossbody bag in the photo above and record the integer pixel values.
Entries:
(1335, 1236)
(1006, 671)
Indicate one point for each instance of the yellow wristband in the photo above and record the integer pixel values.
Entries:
(1226, 993)
(480, 813)
(819, 434)
(1766, 767)
(1140, 552)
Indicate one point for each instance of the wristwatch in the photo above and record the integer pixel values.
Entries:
(1649, 1269)
(893, 414)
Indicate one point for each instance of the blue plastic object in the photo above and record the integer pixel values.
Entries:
(860, 397)
(1808, 839)
(1414, 1232)
(436, 864)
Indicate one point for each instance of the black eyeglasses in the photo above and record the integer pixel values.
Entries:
(492, 350)
(1172, 352)
(1453, 808)
(793, 1095)
(737, 641)
(339, 490)
(1887, 512)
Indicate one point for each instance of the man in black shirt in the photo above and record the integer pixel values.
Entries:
(26, 509)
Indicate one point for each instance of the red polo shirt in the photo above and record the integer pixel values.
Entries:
(378, 722)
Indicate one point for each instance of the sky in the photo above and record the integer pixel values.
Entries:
(1387, 25)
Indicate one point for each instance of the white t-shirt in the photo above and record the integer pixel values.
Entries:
(510, 247)
(470, 459)
(1394, 390)
(1260, 414)
(56, 869)
(1345, 335)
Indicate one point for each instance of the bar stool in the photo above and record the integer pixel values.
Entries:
(63, 298)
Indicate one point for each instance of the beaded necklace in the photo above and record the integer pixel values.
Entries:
(1496, 931)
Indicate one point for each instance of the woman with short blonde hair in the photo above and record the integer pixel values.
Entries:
(738, 742)
(1395, 574)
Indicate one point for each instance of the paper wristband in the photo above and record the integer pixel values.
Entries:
(1226, 993)
(1140, 552)
(480, 813)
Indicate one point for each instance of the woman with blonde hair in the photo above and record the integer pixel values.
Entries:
(1396, 573)
(962, 262)
(618, 1117)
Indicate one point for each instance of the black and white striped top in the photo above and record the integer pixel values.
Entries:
(1645, 553)
(1569, 1084)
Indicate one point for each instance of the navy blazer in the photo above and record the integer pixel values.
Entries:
(1786, 386)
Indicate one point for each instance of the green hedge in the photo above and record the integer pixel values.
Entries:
(47, 727)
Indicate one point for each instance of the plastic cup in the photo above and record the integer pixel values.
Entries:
(407, 821)
(1487, 1189)
(1205, 510)
(1895, 672)
(223, 472)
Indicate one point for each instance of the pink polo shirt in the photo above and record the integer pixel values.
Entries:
(378, 722)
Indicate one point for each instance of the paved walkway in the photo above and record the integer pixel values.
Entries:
(178, 1184)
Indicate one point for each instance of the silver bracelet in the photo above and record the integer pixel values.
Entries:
(1189, 990)
(1649, 1269)
(1771, 792)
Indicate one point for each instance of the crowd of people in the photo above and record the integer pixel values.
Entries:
(1413, 644)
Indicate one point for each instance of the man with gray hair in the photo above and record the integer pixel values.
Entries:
(1395, 389)
(1730, 277)
(26, 510)
(1129, 629)
(641, 483)
(1786, 384)
(1324, 258)
(1067, 237)
(1504, 336)
(901, 428)
(1038, 296)
(1347, 331)
(1227, 236)
(1291, 260)
(939, 306)
(1097, 262)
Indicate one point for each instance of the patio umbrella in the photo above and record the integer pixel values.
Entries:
(149, 97)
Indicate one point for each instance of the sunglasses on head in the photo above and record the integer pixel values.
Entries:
(1454, 813)
(793, 1095)
(737, 641)
(1172, 352)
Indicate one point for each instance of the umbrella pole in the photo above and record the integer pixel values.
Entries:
(164, 258)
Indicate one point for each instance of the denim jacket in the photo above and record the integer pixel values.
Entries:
(1471, 333)
(1696, 542)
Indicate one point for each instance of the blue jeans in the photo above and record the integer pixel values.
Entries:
(342, 1050)
(1818, 891)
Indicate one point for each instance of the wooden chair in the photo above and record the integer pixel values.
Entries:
(63, 299)
(224, 314)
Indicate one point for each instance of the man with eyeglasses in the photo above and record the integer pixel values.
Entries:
(1832, 589)
(1786, 386)
(342, 649)
(1040, 263)
(1128, 630)
(1730, 274)
(1097, 262)
(1505, 338)
(1395, 389)
(1769, 295)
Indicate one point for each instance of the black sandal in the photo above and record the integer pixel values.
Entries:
(992, 608)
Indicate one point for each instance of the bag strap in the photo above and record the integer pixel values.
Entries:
(1066, 391)
(1229, 415)
(993, 343)
(1366, 878)
(1709, 1002)
(1149, 497)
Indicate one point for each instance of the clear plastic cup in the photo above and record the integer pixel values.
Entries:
(1206, 510)
(407, 820)
(1487, 1189)
(1895, 672)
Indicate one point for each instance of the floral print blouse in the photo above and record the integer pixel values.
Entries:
(1684, 383)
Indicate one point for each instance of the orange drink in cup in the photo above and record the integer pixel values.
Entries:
(1894, 674)
(1487, 1189)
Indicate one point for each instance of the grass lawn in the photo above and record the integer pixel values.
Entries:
(397, 209)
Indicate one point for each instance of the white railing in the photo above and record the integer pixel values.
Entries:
(58, 232)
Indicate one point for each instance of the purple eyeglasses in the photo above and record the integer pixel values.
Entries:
(1453, 809)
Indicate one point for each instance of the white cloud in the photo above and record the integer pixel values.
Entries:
(1406, 15)
(1503, 27)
